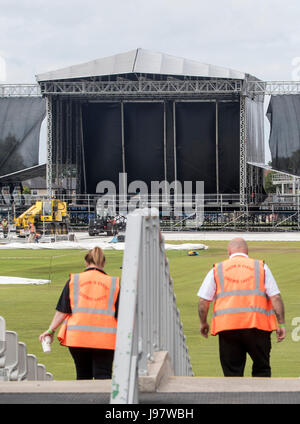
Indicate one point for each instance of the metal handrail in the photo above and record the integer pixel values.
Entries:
(148, 317)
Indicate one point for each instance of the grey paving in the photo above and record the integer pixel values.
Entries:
(174, 391)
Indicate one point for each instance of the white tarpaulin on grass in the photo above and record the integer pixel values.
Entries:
(89, 243)
(18, 280)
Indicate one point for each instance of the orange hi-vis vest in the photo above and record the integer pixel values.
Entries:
(92, 323)
(241, 300)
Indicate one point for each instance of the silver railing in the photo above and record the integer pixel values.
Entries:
(148, 318)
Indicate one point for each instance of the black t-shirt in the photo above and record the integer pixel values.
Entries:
(64, 305)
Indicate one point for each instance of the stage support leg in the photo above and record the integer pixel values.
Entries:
(165, 142)
(49, 146)
(174, 136)
(217, 150)
(173, 207)
(243, 162)
(123, 145)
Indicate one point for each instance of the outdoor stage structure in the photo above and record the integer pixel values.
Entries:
(156, 117)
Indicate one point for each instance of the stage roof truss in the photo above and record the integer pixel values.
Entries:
(20, 90)
(141, 87)
(168, 86)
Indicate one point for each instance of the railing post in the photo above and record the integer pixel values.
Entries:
(125, 369)
(148, 317)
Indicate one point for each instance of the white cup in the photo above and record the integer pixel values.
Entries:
(46, 344)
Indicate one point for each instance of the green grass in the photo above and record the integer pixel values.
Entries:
(28, 309)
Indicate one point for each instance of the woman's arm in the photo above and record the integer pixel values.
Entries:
(58, 318)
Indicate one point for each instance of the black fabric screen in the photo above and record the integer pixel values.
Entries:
(144, 142)
(20, 124)
(284, 116)
(229, 141)
(196, 143)
(102, 143)
(149, 144)
(170, 142)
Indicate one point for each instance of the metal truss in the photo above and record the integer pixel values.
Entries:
(20, 90)
(272, 88)
(142, 88)
(49, 146)
(150, 87)
(243, 158)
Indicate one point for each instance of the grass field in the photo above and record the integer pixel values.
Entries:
(28, 309)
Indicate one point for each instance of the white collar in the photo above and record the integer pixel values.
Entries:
(238, 254)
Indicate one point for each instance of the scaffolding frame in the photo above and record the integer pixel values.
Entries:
(142, 88)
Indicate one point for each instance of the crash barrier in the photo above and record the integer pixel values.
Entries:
(148, 318)
(15, 363)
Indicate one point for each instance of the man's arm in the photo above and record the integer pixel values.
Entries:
(278, 307)
(203, 307)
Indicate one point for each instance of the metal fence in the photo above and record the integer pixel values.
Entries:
(148, 318)
(212, 212)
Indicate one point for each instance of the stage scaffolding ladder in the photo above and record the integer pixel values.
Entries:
(148, 318)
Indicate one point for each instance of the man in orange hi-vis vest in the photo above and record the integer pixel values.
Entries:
(247, 308)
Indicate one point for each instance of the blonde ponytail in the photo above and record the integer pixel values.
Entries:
(95, 257)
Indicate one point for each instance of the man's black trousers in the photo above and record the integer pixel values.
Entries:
(234, 346)
(92, 363)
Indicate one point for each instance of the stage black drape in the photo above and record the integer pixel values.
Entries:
(102, 143)
(229, 142)
(150, 147)
(196, 143)
(144, 142)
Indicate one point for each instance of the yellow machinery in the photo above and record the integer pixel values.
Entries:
(48, 217)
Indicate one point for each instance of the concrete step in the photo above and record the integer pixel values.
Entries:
(160, 386)
(174, 390)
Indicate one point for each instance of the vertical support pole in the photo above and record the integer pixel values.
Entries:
(165, 144)
(49, 146)
(243, 164)
(217, 149)
(175, 158)
(123, 137)
(57, 144)
(125, 368)
(174, 136)
(124, 180)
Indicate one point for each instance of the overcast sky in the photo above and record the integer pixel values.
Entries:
(260, 37)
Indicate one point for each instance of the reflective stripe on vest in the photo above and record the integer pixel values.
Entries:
(265, 319)
(92, 328)
(239, 310)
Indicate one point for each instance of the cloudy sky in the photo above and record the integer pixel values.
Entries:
(261, 37)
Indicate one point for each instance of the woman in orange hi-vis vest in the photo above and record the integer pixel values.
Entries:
(87, 310)
(247, 302)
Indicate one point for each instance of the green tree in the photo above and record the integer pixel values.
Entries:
(268, 185)
(26, 190)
